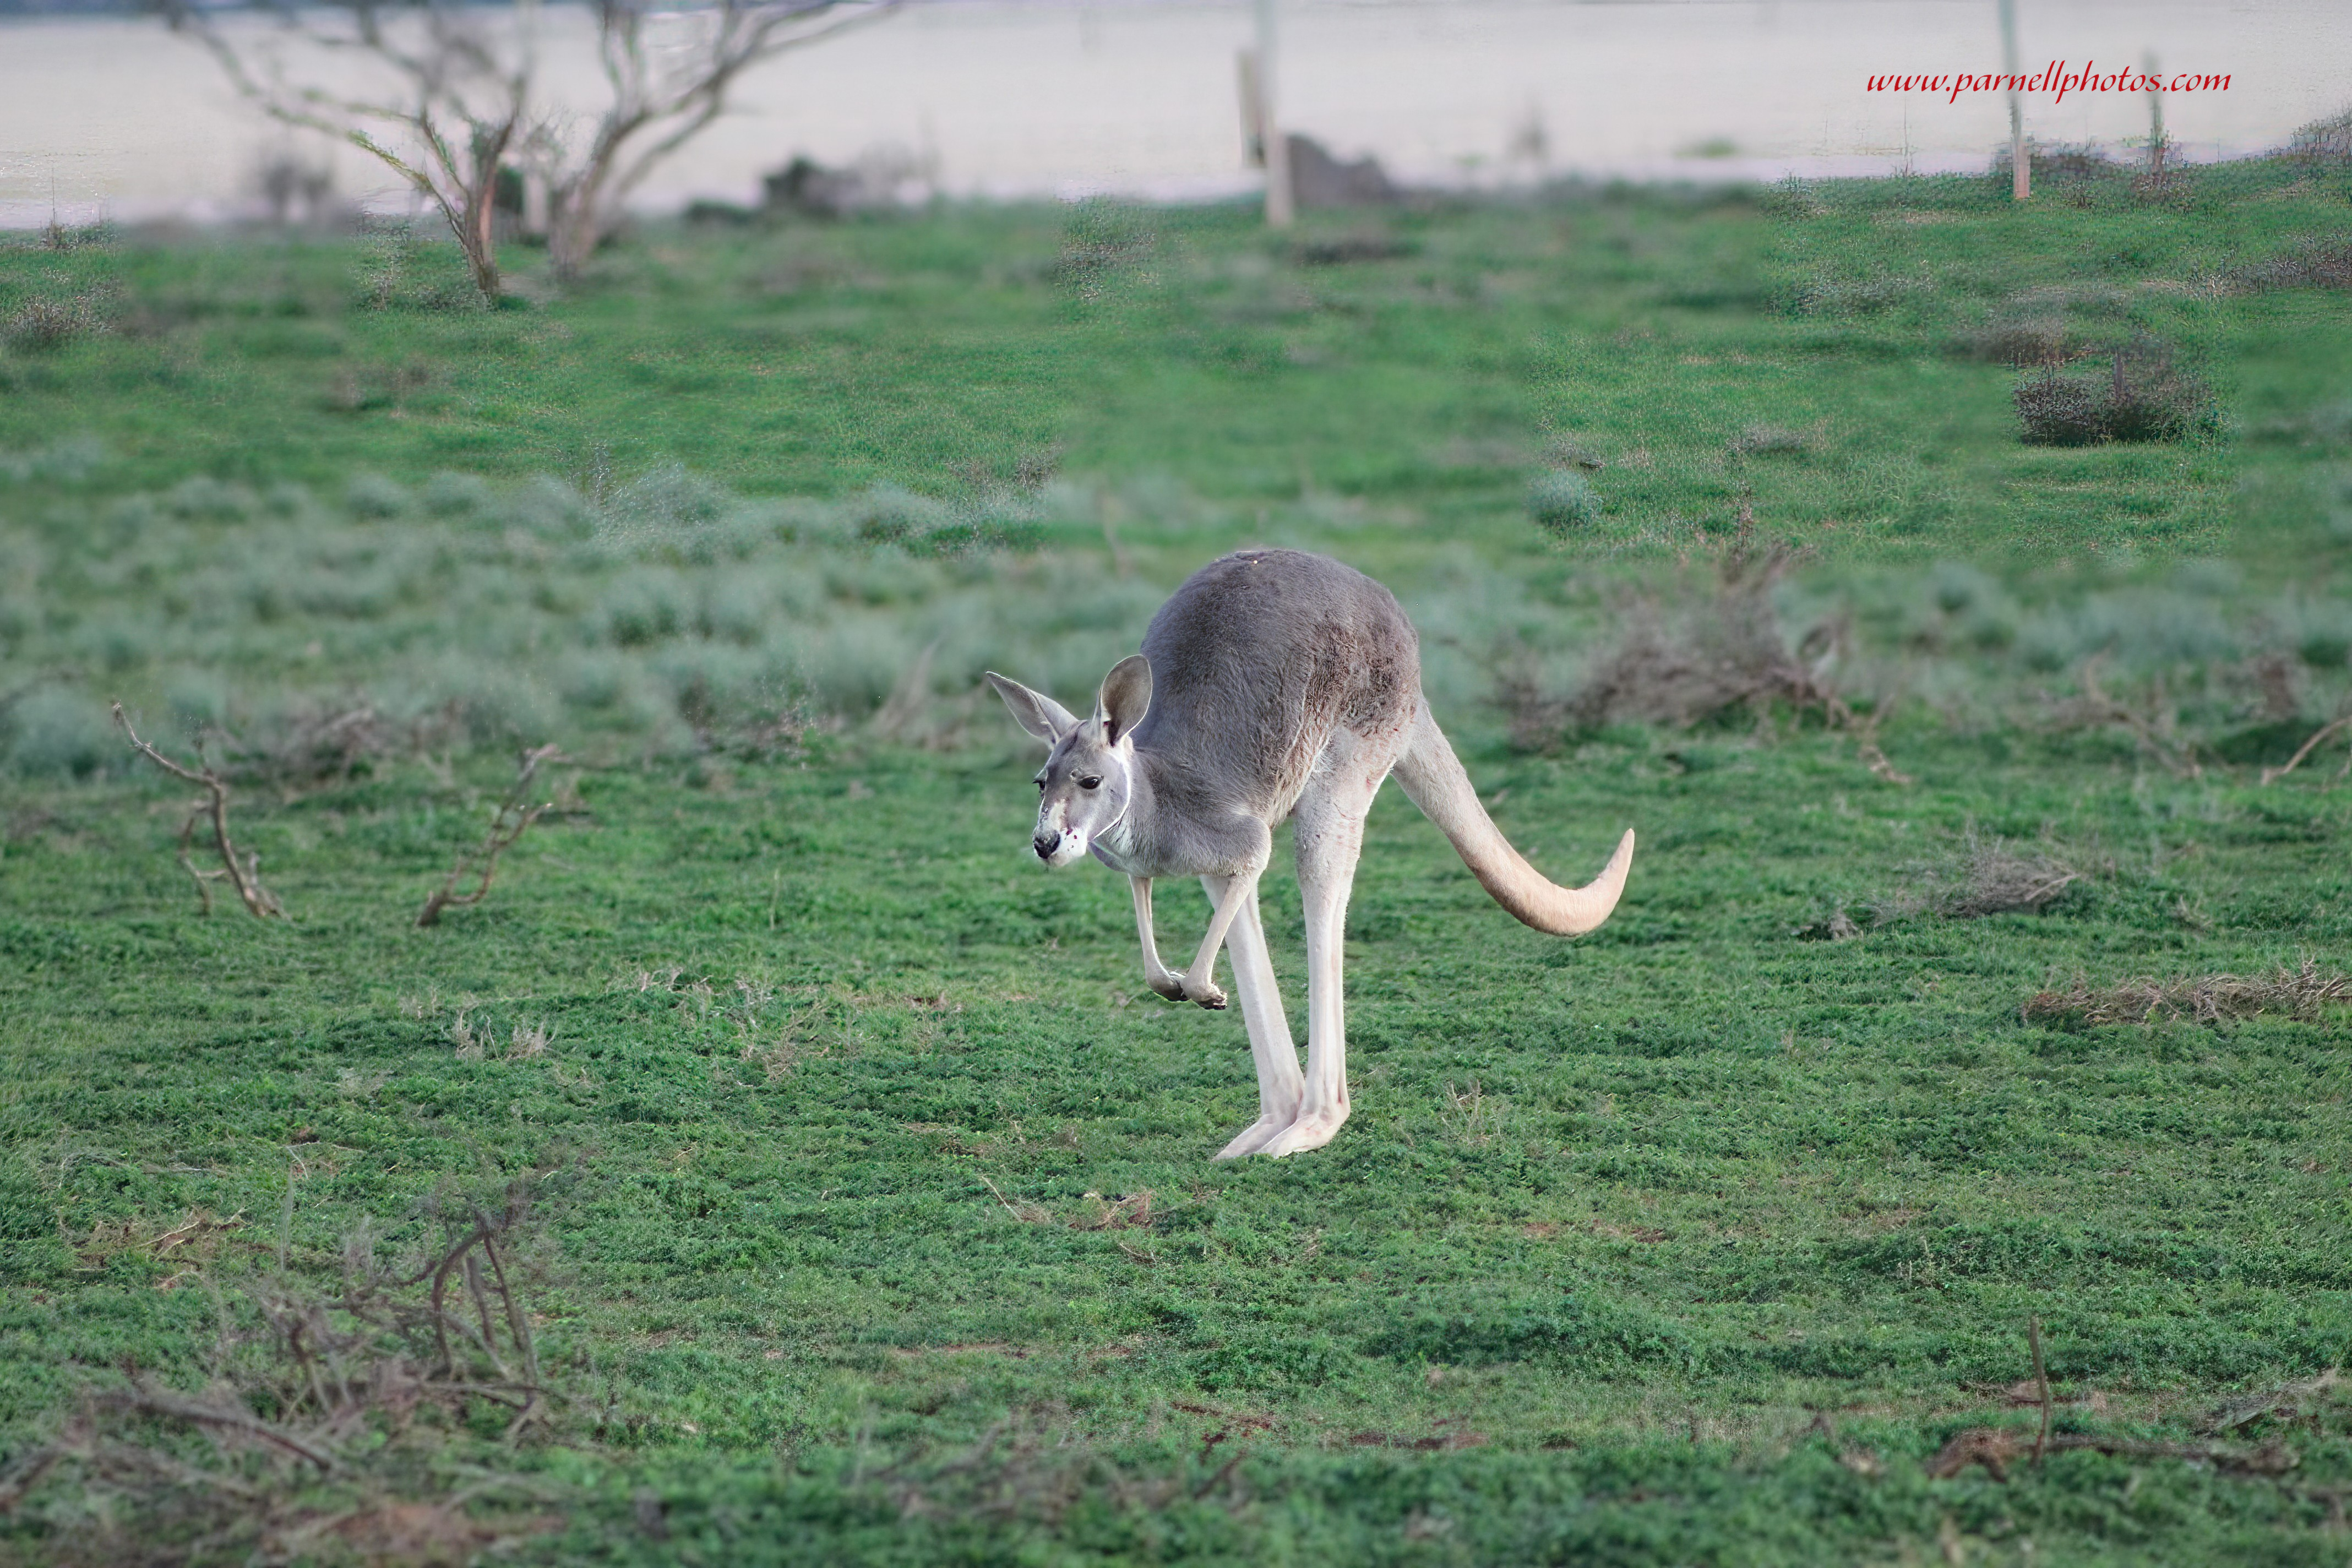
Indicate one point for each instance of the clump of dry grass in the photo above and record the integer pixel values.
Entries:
(1988, 876)
(46, 321)
(2023, 342)
(1771, 440)
(1995, 878)
(1133, 1212)
(2298, 994)
(2308, 266)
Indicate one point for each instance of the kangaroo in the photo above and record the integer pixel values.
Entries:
(1274, 685)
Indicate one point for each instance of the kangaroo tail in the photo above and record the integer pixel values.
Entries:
(1433, 779)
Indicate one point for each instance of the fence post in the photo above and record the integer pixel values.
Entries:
(2021, 180)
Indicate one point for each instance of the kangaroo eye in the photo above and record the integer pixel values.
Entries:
(1041, 786)
(1090, 783)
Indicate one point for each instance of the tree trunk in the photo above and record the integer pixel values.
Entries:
(473, 239)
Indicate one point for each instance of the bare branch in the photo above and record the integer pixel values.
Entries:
(2271, 775)
(235, 1418)
(508, 823)
(245, 878)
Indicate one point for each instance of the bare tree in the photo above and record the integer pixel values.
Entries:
(462, 103)
(457, 97)
(658, 104)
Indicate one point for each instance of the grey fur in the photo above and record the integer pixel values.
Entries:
(1272, 685)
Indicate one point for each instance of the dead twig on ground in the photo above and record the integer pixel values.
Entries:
(1998, 1448)
(2286, 1400)
(245, 877)
(508, 823)
(2271, 776)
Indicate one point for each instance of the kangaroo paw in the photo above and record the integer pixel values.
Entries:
(1170, 987)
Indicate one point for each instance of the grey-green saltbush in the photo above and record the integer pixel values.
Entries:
(373, 495)
(1563, 502)
(203, 499)
(457, 495)
(58, 731)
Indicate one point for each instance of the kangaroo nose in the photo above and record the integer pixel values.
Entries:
(1047, 843)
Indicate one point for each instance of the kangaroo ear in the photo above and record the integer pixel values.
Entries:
(1033, 710)
(1125, 696)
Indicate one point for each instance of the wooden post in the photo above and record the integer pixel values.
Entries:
(2021, 180)
(2155, 118)
(1253, 108)
(1277, 145)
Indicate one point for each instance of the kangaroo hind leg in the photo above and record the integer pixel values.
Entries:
(1279, 1085)
(1330, 837)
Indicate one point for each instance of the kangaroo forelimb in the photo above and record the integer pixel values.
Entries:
(1156, 974)
(1199, 982)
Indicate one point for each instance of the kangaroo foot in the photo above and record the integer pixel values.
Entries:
(1312, 1130)
(1204, 991)
(1254, 1137)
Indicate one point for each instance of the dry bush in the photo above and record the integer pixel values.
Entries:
(1701, 658)
(327, 741)
(2143, 395)
(2298, 994)
(2061, 410)
(1694, 660)
(2072, 169)
(2152, 717)
(325, 1425)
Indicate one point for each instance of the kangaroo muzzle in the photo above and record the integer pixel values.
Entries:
(1045, 843)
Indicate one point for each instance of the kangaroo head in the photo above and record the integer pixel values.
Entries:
(1088, 778)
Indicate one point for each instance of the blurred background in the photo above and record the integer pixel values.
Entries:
(107, 115)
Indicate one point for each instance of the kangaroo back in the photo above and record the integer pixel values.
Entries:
(1256, 661)
(1431, 778)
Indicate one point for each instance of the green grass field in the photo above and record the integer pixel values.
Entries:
(872, 1219)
